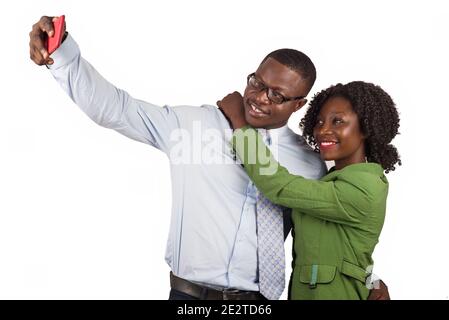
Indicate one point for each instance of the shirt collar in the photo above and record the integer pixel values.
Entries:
(275, 133)
(281, 131)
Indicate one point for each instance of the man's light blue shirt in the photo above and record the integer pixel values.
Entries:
(212, 238)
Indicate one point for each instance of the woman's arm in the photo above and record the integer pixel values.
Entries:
(339, 201)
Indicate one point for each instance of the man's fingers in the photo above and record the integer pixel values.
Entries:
(38, 38)
(41, 48)
(35, 54)
(46, 25)
(37, 57)
(37, 42)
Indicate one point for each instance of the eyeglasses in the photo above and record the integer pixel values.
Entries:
(274, 96)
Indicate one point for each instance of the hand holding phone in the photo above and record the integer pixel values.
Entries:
(54, 42)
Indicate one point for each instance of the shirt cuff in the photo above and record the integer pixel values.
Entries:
(64, 54)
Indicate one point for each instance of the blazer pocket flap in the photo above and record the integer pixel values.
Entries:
(317, 273)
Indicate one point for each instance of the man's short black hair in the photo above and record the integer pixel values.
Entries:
(296, 61)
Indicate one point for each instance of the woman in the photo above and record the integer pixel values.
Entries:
(338, 219)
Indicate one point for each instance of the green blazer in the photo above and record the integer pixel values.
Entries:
(337, 220)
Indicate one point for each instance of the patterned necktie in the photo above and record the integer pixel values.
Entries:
(270, 242)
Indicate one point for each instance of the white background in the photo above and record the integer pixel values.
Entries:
(84, 211)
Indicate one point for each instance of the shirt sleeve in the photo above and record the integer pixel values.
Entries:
(108, 106)
(341, 201)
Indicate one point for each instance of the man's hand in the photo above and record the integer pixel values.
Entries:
(38, 40)
(233, 109)
(381, 293)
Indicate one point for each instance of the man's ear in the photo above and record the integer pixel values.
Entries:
(300, 104)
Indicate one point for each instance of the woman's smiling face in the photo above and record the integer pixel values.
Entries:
(338, 134)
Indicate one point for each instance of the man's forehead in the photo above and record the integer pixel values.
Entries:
(278, 75)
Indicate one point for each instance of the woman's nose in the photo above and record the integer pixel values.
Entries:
(324, 129)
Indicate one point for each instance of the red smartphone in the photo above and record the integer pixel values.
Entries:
(54, 42)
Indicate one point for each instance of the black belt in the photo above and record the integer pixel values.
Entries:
(205, 293)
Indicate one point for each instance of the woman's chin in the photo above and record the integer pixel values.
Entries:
(326, 157)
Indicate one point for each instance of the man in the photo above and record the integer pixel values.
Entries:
(213, 243)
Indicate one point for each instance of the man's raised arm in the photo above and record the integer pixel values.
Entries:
(105, 104)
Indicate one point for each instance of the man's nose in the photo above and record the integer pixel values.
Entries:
(261, 96)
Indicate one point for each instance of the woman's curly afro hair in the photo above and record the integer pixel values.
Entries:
(379, 119)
